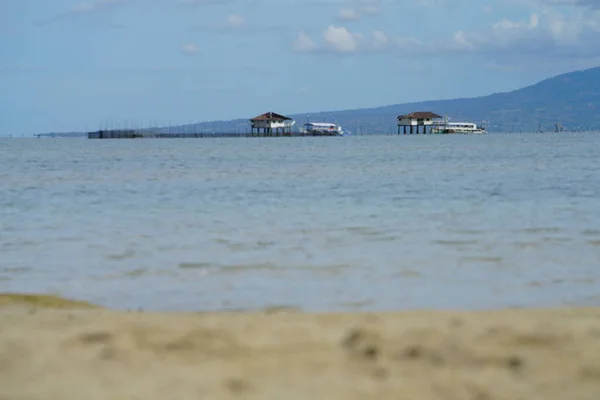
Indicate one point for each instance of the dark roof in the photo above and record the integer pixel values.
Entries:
(420, 115)
(270, 116)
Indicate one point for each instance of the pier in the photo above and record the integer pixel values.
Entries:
(269, 124)
(417, 119)
(272, 123)
(107, 134)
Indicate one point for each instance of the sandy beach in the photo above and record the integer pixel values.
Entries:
(51, 348)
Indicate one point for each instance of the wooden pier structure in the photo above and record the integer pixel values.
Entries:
(272, 123)
(417, 119)
(269, 124)
(107, 134)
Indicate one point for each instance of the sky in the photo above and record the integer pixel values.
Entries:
(70, 65)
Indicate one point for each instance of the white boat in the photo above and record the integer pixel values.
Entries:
(322, 129)
(457, 127)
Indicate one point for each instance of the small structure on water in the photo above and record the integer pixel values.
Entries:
(272, 123)
(417, 119)
(457, 127)
(322, 129)
(115, 134)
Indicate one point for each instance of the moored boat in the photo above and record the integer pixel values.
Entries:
(322, 129)
(458, 127)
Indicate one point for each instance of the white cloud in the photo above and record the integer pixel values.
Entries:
(545, 35)
(547, 32)
(380, 40)
(534, 20)
(189, 48)
(412, 45)
(93, 6)
(359, 9)
(203, 2)
(235, 21)
(304, 43)
(431, 3)
(340, 39)
(371, 7)
(97, 13)
(348, 14)
(585, 3)
(461, 40)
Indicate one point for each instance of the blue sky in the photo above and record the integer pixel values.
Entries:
(70, 65)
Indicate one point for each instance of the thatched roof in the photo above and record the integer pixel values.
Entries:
(271, 116)
(420, 115)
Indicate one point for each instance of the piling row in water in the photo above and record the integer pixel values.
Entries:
(143, 135)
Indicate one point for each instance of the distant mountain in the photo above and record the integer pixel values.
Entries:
(571, 100)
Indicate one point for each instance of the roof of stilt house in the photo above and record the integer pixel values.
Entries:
(271, 116)
(420, 115)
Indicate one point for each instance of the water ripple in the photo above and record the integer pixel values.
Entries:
(365, 223)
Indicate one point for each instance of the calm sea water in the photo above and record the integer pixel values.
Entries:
(355, 223)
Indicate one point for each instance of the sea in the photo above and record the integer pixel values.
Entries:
(358, 223)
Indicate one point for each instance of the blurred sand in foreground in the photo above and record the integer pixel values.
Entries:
(51, 348)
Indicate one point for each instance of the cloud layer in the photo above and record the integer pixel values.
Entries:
(92, 7)
(340, 40)
(554, 28)
(356, 10)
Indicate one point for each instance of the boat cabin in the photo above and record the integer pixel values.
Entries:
(323, 128)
